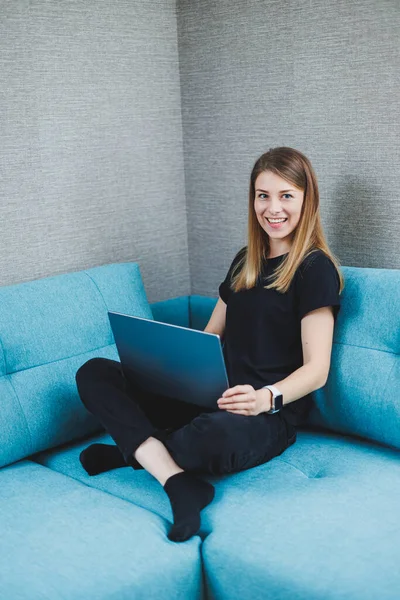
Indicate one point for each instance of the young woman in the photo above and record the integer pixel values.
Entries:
(275, 313)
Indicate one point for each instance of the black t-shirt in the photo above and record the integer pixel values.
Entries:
(262, 341)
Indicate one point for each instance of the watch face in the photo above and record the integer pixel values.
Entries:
(278, 402)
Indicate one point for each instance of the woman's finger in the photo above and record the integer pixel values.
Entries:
(236, 406)
(231, 399)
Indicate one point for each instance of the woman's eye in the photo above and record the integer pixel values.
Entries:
(290, 195)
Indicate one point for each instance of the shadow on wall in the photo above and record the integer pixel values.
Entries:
(359, 224)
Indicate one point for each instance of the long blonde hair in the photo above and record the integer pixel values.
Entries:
(308, 236)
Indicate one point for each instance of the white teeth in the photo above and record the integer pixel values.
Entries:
(276, 220)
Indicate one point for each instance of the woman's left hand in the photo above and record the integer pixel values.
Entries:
(245, 400)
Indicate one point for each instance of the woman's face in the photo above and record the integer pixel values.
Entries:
(276, 198)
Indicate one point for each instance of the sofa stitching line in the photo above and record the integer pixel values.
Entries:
(50, 362)
(7, 375)
(102, 491)
(366, 347)
(293, 466)
(4, 354)
(112, 343)
(102, 297)
(23, 414)
(388, 379)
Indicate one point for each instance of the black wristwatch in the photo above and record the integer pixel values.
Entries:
(277, 399)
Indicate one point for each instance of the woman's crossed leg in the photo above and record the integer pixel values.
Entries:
(172, 439)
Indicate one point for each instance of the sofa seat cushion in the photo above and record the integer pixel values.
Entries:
(319, 521)
(136, 486)
(327, 489)
(62, 539)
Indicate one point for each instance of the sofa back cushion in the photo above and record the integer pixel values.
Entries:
(48, 328)
(362, 394)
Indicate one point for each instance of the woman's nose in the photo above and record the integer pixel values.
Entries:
(275, 207)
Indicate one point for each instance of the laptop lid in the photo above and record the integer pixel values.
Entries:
(171, 360)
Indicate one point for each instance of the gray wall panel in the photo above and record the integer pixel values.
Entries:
(315, 75)
(91, 156)
(92, 103)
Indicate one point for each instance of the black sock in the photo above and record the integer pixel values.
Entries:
(99, 458)
(188, 496)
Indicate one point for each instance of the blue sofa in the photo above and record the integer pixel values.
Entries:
(320, 521)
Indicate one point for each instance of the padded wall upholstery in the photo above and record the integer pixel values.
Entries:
(362, 394)
(48, 329)
(174, 311)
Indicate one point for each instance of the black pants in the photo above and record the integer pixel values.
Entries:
(199, 439)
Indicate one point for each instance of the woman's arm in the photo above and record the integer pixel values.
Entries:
(316, 338)
(216, 324)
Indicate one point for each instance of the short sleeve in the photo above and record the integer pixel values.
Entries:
(224, 288)
(317, 285)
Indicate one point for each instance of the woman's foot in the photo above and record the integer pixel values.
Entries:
(99, 458)
(188, 496)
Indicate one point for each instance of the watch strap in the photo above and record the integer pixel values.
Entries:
(275, 393)
(274, 390)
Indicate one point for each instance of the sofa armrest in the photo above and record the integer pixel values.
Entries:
(174, 311)
(200, 311)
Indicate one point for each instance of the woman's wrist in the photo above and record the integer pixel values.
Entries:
(266, 396)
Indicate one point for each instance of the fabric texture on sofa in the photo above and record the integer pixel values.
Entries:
(48, 328)
(318, 521)
(61, 539)
(327, 505)
(361, 396)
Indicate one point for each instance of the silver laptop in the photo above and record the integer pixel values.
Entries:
(171, 360)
